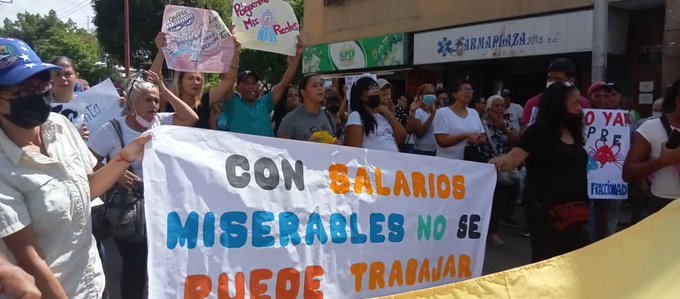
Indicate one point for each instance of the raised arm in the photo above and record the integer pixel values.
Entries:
(399, 130)
(160, 41)
(184, 115)
(293, 65)
(224, 90)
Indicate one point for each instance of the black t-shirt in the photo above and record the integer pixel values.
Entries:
(203, 111)
(556, 171)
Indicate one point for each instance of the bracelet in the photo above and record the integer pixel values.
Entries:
(122, 158)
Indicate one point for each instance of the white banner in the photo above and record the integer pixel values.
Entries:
(94, 107)
(562, 33)
(607, 144)
(241, 215)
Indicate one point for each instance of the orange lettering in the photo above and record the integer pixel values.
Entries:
(197, 287)
(411, 268)
(339, 181)
(464, 266)
(358, 271)
(430, 180)
(443, 187)
(223, 286)
(313, 276)
(424, 274)
(258, 289)
(450, 267)
(362, 182)
(458, 187)
(418, 185)
(396, 275)
(384, 191)
(437, 272)
(285, 276)
(401, 184)
(376, 278)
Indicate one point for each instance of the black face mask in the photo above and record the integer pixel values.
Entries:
(373, 101)
(29, 112)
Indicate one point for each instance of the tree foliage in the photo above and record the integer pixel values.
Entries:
(50, 36)
(145, 22)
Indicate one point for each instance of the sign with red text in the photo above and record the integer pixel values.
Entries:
(266, 25)
(607, 144)
(242, 216)
(198, 40)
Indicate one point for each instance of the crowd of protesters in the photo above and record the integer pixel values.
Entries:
(52, 169)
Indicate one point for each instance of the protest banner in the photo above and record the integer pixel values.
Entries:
(94, 107)
(240, 215)
(198, 40)
(266, 25)
(607, 144)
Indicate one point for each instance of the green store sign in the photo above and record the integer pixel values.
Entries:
(387, 50)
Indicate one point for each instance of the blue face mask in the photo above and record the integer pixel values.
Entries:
(429, 99)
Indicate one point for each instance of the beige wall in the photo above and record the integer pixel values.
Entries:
(354, 19)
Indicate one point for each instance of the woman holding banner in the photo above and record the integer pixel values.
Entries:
(143, 100)
(556, 193)
(47, 182)
(372, 125)
(308, 121)
(655, 155)
(189, 86)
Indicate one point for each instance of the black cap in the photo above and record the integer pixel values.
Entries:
(245, 74)
(613, 86)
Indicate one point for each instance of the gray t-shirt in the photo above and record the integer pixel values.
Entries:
(300, 124)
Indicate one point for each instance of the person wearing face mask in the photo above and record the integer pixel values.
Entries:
(307, 120)
(248, 114)
(421, 115)
(457, 126)
(650, 156)
(47, 181)
(189, 86)
(372, 125)
(556, 192)
(143, 99)
(560, 70)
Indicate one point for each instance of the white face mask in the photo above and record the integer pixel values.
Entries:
(657, 114)
(548, 83)
(140, 120)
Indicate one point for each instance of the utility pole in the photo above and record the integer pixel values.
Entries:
(671, 44)
(600, 40)
(126, 40)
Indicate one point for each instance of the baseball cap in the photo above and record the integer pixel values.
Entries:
(613, 86)
(382, 83)
(597, 85)
(506, 92)
(19, 62)
(245, 74)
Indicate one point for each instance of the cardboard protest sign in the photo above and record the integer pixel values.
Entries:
(198, 40)
(266, 25)
(231, 215)
(607, 144)
(93, 107)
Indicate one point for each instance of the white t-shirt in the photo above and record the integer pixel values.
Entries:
(382, 138)
(514, 114)
(106, 143)
(665, 182)
(427, 142)
(446, 122)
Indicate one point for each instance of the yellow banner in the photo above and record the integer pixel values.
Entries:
(642, 261)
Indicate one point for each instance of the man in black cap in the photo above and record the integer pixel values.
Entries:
(248, 114)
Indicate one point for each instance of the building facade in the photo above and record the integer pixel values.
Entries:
(494, 43)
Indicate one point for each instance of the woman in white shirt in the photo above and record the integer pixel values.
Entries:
(143, 105)
(650, 158)
(458, 126)
(420, 117)
(372, 125)
(47, 182)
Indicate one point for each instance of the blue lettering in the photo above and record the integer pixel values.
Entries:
(376, 228)
(234, 234)
(261, 230)
(288, 226)
(315, 227)
(338, 227)
(182, 234)
(355, 236)
(395, 223)
(209, 230)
